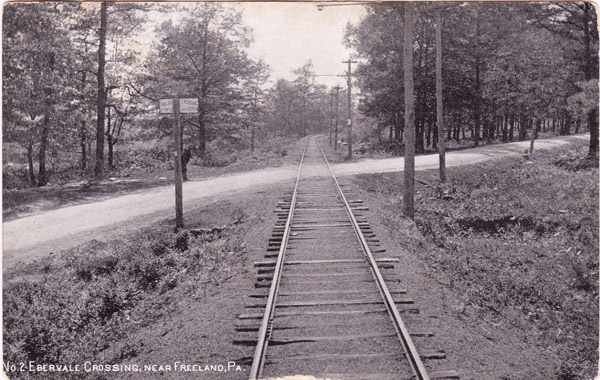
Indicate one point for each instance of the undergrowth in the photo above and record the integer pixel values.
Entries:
(82, 305)
(519, 239)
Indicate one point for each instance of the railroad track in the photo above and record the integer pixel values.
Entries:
(331, 309)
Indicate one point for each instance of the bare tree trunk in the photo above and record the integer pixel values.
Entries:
(111, 144)
(409, 114)
(101, 98)
(589, 75)
(83, 148)
(201, 135)
(42, 173)
(419, 131)
(544, 125)
(567, 126)
(427, 134)
(30, 164)
(534, 132)
(109, 139)
(593, 126)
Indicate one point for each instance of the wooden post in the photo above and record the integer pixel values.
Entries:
(178, 174)
(337, 116)
(409, 114)
(330, 116)
(438, 94)
(349, 62)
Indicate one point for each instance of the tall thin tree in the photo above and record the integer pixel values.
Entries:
(101, 97)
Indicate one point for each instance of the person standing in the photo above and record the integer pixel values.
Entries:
(185, 159)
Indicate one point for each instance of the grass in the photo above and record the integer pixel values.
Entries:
(519, 238)
(82, 305)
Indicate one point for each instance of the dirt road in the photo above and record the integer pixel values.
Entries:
(31, 237)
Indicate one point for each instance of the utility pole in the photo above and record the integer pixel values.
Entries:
(337, 115)
(349, 62)
(330, 116)
(409, 114)
(438, 94)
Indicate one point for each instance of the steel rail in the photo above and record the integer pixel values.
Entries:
(410, 350)
(264, 330)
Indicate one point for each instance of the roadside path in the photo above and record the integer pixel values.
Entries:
(34, 236)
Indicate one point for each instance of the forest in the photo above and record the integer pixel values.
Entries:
(537, 72)
(81, 83)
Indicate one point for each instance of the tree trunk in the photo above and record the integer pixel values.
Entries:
(511, 131)
(111, 144)
(567, 126)
(419, 141)
(42, 173)
(201, 135)
(522, 126)
(435, 138)
(409, 114)
(101, 98)
(534, 132)
(593, 126)
(427, 134)
(83, 148)
(109, 139)
(398, 129)
(254, 132)
(30, 164)
(544, 125)
(589, 10)
(203, 96)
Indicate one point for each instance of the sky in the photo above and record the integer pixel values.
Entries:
(287, 35)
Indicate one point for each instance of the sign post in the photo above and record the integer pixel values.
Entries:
(178, 174)
(177, 107)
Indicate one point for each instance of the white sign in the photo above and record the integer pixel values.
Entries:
(166, 105)
(188, 105)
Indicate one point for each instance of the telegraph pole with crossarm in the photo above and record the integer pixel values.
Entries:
(349, 74)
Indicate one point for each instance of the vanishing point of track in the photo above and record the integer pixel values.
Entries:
(329, 311)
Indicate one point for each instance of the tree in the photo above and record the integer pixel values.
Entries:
(202, 56)
(255, 95)
(298, 107)
(34, 68)
(576, 24)
(101, 93)
(489, 92)
(125, 19)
